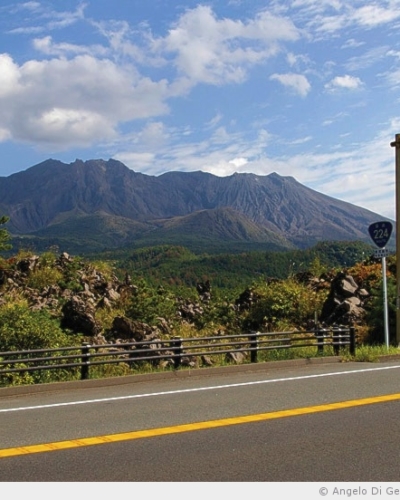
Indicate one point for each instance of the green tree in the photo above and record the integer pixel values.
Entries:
(375, 313)
(4, 234)
(148, 303)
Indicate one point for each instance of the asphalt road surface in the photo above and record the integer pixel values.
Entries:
(322, 422)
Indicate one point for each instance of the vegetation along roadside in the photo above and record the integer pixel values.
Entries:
(52, 299)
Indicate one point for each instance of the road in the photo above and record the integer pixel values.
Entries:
(320, 422)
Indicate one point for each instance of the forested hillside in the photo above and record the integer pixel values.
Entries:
(176, 266)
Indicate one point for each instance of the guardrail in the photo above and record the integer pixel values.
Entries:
(174, 350)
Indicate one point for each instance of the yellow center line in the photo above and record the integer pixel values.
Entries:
(196, 426)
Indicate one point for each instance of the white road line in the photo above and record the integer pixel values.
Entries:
(198, 389)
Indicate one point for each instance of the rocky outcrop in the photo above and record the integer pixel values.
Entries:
(78, 291)
(79, 316)
(345, 302)
(204, 291)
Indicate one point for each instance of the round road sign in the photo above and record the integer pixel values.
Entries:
(380, 233)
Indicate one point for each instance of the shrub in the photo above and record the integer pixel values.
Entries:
(23, 329)
(147, 304)
(40, 278)
(284, 304)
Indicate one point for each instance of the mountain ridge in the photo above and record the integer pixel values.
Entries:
(55, 200)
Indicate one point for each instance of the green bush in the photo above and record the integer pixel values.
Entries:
(283, 304)
(148, 303)
(218, 313)
(23, 329)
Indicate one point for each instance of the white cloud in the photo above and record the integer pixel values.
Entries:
(372, 15)
(79, 126)
(302, 140)
(45, 45)
(224, 49)
(239, 162)
(136, 161)
(154, 134)
(47, 19)
(367, 59)
(64, 19)
(30, 5)
(214, 121)
(337, 117)
(298, 83)
(4, 135)
(344, 82)
(297, 59)
(69, 102)
(17, 8)
(9, 76)
(221, 136)
(393, 78)
(352, 43)
(324, 18)
(118, 35)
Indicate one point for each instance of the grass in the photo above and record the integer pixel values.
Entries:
(368, 353)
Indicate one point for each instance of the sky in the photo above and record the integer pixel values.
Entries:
(304, 88)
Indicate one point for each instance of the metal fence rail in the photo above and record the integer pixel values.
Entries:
(175, 350)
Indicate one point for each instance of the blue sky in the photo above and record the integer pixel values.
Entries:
(307, 88)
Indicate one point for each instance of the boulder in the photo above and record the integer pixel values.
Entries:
(129, 329)
(344, 304)
(236, 357)
(79, 316)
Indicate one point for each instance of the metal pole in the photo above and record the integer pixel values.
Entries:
(385, 303)
(85, 360)
(396, 144)
(177, 348)
(253, 337)
(352, 341)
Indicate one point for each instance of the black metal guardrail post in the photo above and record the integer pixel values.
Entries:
(320, 334)
(336, 339)
(85, 360)
(253, 337)
(177, 347)
(352, 347)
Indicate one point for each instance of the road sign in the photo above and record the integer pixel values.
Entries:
(380, 233)
(379, 253)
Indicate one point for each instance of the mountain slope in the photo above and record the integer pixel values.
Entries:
(108, 203)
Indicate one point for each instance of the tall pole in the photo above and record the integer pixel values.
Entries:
(385, 303)
(396, 144)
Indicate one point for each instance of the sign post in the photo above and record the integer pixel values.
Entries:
(380, 233)
(396, 144)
